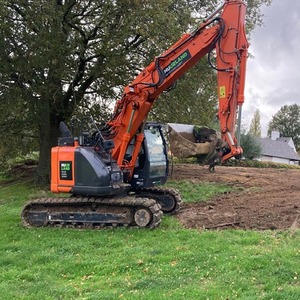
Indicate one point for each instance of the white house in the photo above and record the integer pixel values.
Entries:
(278, 149)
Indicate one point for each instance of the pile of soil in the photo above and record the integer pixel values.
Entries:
(261, 199)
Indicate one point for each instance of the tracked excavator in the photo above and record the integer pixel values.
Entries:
(114, 175)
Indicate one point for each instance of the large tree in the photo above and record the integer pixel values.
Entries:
(255, 127)
(60, 57)
(287, 122)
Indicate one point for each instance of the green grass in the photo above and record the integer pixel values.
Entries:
(194, 191)
(169, 262)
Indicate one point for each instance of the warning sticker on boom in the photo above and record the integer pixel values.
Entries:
(65, 170)
(222, 91)
(177, 62)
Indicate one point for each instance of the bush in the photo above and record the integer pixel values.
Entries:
(241, 163)
(258, 164)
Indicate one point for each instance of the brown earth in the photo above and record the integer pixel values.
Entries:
(261, 199)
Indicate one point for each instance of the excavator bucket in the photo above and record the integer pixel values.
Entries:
(186, 141)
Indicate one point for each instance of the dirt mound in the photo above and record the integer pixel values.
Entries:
(262, 199)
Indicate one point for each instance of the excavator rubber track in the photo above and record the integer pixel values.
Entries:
(80, 212)
(168, 198)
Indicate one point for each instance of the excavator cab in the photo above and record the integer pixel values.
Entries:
(152, 167)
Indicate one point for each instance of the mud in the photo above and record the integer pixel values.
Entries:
(261, 199)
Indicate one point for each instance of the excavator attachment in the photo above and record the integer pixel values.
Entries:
(203, 143)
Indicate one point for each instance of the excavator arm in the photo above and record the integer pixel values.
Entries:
(226, 34)
(232, 55)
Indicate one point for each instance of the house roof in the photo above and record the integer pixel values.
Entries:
(284, 139)
(278, 148)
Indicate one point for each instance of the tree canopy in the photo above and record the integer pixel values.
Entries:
(287, 122)
(255, 127)
(251, 146)
(61, 58)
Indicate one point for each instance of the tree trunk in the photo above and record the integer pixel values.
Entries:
(43, 171)
(48, 135)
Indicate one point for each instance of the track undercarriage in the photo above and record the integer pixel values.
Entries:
(169, 199)
(143, 209)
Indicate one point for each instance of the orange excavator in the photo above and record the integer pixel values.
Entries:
(114, 175)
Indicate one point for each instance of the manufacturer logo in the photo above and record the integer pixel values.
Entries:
(177, 62)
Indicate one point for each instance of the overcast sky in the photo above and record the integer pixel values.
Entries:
(273, 76)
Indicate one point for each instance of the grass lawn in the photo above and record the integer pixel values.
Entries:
(169, 262)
